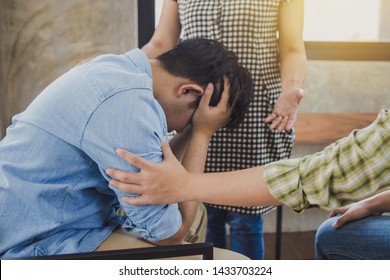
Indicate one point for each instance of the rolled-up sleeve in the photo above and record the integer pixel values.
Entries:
(283, 181)
(351, 169)
(151, 222)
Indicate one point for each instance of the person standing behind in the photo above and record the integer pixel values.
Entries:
(266, 35)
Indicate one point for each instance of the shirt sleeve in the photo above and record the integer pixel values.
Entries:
(132, 120)
(349, 170)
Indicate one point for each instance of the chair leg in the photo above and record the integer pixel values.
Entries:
(278, 239)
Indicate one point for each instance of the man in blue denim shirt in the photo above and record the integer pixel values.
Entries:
(54, 193)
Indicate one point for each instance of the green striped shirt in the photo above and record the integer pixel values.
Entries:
(349, 170)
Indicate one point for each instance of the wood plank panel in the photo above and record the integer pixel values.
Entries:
(326, 128)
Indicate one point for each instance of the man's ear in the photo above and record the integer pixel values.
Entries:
(190, 89)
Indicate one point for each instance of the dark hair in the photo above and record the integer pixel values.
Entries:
(208, 61)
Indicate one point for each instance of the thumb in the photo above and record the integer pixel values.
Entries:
(340, 222)
(299, 95)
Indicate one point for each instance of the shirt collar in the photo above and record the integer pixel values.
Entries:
(140, 59)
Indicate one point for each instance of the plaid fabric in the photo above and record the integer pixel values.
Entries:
(247, 27)
(353, 168)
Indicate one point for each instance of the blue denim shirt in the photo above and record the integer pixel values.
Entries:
(54, 193)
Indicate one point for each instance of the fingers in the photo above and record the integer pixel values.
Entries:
(271, 117)
(290, 124)
(132, 158)
(283, 124)
(137, 161)
(226, 93)
(276, 122)
(126, 177)
(340, 222)
(131, 186)
(337, 211)
(279, 123)
(206, 97)
(135, 177)
(127, 187)
(285, 111)
(135, 182)
(343, 211)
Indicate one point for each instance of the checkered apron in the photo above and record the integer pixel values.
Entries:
(249, 28)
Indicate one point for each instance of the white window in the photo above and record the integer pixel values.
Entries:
(347, 20)
(157, 10)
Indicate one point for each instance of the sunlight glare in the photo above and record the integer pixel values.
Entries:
(342, 20)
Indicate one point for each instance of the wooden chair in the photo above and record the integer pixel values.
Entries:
(161, 252)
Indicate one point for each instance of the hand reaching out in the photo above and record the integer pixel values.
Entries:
(161, 183)
(285, 111)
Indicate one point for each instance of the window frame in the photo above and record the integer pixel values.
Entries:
(146, 23)
(355, 51)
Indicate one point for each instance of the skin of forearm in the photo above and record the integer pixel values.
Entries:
(195, 157)
(167, 33)
(293, 70)
(152, 49)
(291, 45)
(194, 161)
(222, 188)
(179, 143)
(379, 203)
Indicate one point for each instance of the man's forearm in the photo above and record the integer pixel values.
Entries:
(244, 187)
(221, 188)
(179, 143)
(195, 157)
(380, 203)
(194, 161)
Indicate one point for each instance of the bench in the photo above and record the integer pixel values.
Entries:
(326, 128)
